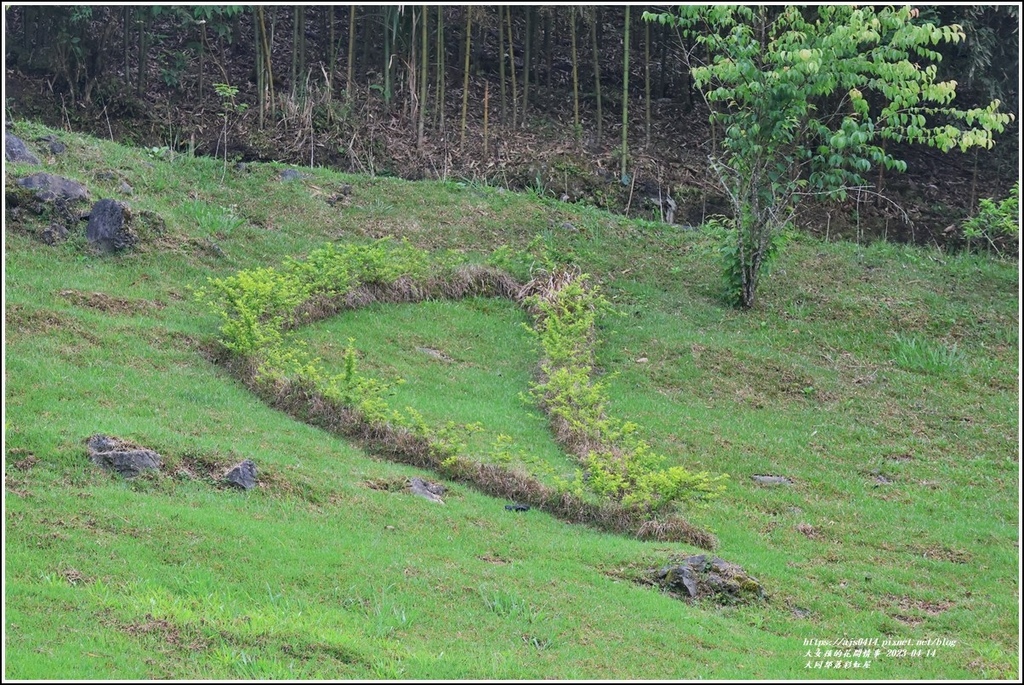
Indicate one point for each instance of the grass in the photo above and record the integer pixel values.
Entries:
(883, 380)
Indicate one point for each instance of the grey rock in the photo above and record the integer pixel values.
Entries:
(122, 457)
(125, 188)
(108, 226)
(291, 175)
(16, 151)
(772, 480)
(48, 187)
(426, 489)
(54, 233)
(56, 147)
(698, 576)
(242, 474)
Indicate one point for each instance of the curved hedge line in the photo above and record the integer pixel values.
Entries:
(259, 309)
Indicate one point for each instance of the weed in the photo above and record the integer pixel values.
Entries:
(926, 356)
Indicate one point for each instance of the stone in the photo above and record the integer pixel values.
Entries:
(426, 489)
(108, 226)
(48, 187)
(56, 147)
(772, 480)
(120, 456)
(54, 233)
(16, 151)
(517, 507)
(291, 175)
(698, 576)
(242, 474)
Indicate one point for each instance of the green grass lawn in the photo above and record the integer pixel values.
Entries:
(883, 380)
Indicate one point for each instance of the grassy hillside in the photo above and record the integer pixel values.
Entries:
(883, 380)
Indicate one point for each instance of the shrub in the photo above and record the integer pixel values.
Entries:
(618, 464)
(996, 223)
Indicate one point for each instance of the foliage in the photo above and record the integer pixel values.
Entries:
(619, 465)
(806, 100)
(995, 221)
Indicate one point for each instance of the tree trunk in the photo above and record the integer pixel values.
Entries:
(424, 59)
(527, 55)
(501, 64)
(440, 69)
(597, 75)
(647, 84)
(388, 11)
(486, 106)
(261, 98)
(351, 51)
(575, 75)
(465, 77)
(625, 95)
(512, 63)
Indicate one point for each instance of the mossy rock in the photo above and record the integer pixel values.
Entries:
(713, 578)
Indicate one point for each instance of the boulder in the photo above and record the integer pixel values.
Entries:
(16, 151)
(123, 457)
(56, 147)
(291, 175)
(242, 475)
(426, 489)
(48, 187)
(700, 576)
(109, 227)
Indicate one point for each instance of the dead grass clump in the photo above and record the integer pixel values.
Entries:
(677, 528)
(475, 280)
(392, 484)
(808, 530)
(108, 304)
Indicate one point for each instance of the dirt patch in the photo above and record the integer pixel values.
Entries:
(943, 553)
(74, 577)
(109, 304)
(914, 612)
(22, 321)
(25, 463)
(808, 531)
(170, 633)
(492, 558)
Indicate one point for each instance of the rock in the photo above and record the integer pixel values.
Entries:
(772, 480)
(49, 187)
(108, 226)
(698, 576)
(242, 475)
(291, 175)
(54, 233)
(125, 458)
(16, 151)
(517, 507)
(423, 488)
(56, 147)
(125, 188)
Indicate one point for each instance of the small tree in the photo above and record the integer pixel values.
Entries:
(805, 99)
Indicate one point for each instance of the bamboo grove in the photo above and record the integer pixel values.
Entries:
(439, 69)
